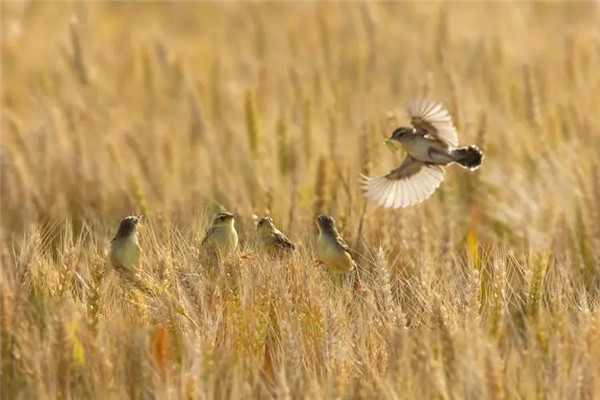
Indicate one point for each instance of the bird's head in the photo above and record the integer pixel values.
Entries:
(265, 223)
(225, 218)
(325, 223)
(128, 226)
(398, 136)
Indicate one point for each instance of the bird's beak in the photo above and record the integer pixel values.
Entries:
(140, 224)
(392, 143)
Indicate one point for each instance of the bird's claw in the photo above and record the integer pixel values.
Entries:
(318, 263)
(360, 288)
(247, 256)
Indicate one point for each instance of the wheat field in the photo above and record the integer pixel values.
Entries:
(489, 289)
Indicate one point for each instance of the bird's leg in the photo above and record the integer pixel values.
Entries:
(358, 285)
(247, 256)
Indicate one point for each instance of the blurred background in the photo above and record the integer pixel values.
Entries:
(489, 289)
(110, 109)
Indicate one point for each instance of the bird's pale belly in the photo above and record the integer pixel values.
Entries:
(226, 241)
(125, 253)
(428, 150)
(334, 257)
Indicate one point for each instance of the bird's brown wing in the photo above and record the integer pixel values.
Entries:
(283, 241)
(344, 246)
(410, 183)
(209, 233)
(434, 119)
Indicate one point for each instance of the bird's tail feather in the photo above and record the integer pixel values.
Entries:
(469, 157)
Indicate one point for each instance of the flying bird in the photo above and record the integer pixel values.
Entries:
(430, 144)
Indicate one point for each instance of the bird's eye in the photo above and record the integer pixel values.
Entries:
(400, 132)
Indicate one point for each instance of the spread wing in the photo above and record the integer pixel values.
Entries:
(434, 119)
(282, 241)
(410, 183)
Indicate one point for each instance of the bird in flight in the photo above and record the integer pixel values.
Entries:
(430, 144)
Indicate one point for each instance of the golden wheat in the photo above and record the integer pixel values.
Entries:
(487, 290)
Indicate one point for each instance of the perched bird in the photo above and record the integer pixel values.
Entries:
(333, 251)
(271, 239)
(430, 144)
(221, 239)
(124, 248)
(125, 252)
